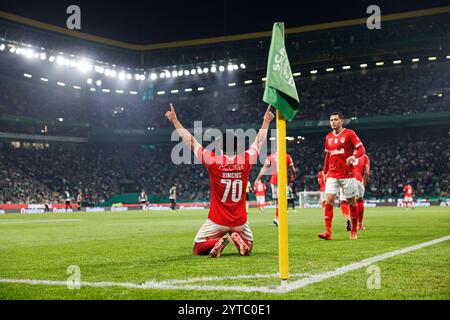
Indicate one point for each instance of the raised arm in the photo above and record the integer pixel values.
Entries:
(263, 170)
(262, 133)
(187, 137)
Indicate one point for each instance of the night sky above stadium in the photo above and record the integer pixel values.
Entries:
(147, 22)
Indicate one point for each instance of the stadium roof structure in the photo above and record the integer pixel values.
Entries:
(330, 43)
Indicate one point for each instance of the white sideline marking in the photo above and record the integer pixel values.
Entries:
(38, 221)
(172, 284)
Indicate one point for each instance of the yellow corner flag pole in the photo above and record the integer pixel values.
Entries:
(282, 200)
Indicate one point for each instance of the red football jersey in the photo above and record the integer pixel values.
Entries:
(358, 166)
(260, 189)
(321, 181)
(272, 160)
(408, 190)
(228, 177)
(341, 146)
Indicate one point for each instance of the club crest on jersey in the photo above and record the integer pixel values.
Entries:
(342, 140)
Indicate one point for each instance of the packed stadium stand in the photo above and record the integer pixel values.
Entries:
(64, 130)
(386, 91)
(419, 157)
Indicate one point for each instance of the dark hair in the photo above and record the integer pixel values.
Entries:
(340, 115)
(229, 140)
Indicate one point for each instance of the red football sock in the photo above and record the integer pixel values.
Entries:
(328, 216)
(354, 216)
(344, 208)
(360, 211)
(276, 213)
(204, 247)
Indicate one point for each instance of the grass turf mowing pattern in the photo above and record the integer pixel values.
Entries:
(137, 247)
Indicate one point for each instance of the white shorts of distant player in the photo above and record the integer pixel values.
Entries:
(408, 199)
(348, 185)
(261, 200)
(360, 194)
(274, 188)
(211, 230)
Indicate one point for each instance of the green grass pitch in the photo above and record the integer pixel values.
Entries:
(135, 247)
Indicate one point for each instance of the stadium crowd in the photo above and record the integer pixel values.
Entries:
(406, 89)
(34, 175)
(419, 157)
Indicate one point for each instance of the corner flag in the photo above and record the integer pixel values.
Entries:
(280, 90)
(281, 93)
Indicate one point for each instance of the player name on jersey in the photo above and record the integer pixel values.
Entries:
(232, 175)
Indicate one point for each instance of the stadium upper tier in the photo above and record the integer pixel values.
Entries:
(331, 42)
(70, 106)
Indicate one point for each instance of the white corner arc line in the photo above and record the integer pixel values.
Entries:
(166, 285)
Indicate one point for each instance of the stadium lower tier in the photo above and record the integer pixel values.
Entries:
(74, 207)
(41, 173)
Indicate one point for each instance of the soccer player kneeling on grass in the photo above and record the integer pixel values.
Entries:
(228, 175)
(342, 148)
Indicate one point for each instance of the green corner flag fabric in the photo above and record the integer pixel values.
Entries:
(280, 91)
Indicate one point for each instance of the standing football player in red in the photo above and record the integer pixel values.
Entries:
(342, 147)
(228, 176)
(408, 200)
(272, 162)
(260, 193)
(362, 171)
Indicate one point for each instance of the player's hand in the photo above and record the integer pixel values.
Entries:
(268, 116)
(293, 177)
(350, 160)
(171, 115)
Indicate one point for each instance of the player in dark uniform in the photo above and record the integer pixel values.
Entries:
(80, 199)
(291, 197)
(143, 200)
(67, 199)
(173, 197)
